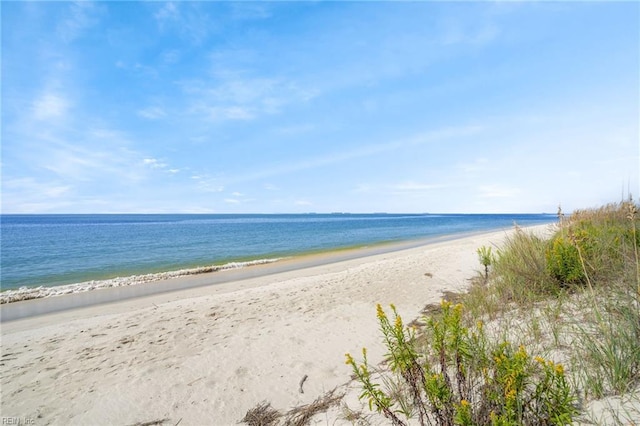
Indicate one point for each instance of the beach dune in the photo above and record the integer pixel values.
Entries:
(207, 354)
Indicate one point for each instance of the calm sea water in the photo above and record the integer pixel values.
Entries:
(52, 250)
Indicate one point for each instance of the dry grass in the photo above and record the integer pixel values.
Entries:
(265, 415)
(158, 422)
(262, 415)
(301, 416)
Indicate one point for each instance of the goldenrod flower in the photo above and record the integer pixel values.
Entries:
(458, 308)
(349, 360)
(560, 369)
(398, 323)
(540, 359)
(380, 312)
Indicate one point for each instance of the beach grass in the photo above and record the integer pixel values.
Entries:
(571, 297)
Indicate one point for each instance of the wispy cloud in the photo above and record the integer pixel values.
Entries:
(408, 188)
(154, 163)
(206, 183)
(428, 137)
(189, 20)
(30, 195)
(250, 10)
(456, 33)
(50, 106)
(415, 186)
(498, 191)
(477, 166)
(80, 17)
(152, 113)
(232, 96)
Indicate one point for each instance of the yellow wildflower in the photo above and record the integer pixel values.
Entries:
(380, 312)
(398, 323)
(349, 360)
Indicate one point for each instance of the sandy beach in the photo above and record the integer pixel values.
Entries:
(207, 354)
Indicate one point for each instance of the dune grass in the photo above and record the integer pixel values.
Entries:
(572, 297)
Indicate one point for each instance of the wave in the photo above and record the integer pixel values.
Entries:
(27, 293)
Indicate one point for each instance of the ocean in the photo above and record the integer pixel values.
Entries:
(54, 250)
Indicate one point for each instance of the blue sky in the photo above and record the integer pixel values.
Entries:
(262, 107)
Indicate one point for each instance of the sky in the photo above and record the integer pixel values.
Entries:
(294, 107)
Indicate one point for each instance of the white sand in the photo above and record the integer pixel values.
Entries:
(206, 355)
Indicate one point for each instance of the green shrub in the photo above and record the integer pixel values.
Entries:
(460, 378)
(563, 262)
(594, 245)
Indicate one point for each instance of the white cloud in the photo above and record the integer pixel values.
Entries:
(477, 166)
(235, 97)
(442, 134)
(230, 113)
(152, 113)
(206, 183)
(168, 12)
(170, 56)
(154, 163)
(82, 15)
(498, 191)
(49, 106)
(30, 185)
(188, 19)
(231, 201)
(30, 195)
(249, 10)
(457, 35)
(414, 186)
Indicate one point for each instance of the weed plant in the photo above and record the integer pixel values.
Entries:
(461, 378)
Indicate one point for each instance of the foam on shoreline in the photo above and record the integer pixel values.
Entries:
(27, 293)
